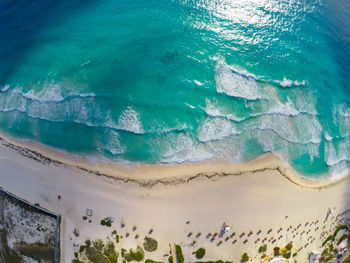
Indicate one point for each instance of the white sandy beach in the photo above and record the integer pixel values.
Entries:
(254, 196)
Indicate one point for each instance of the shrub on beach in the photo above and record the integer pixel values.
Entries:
(200, 253)
(286, 254)
(343, 237)
(132, 255)
(150, 244)
(330, 237)
(98, 244)
(152, 261)
(289, 246)
(245, 257)
(105, 222)
(341, 227)
(179, 255)
(276, 251)
(110, 252)
(263, 248)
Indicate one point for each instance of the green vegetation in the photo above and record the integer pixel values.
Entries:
(347, 260)
(150, 244)
(98, 244)
(326, 256)
(286, 254)
(110, 252)
(152, 261)
(245, 257)
(276, 251)
(88, 243)
(331, 251)
(289, 246)
(342, 238)
(95, 255)
(341, 227)
(179, 255)
(329, 238)
(37, 251)
(10, 256)
(106, 222)
(132, 255)
(262, 248)
(6, 253)
(97, 252)
(115, 235)
(200, 253)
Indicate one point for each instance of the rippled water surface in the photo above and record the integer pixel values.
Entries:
(180, 81)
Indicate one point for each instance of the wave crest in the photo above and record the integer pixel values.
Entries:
(129, 120)
(234, 84)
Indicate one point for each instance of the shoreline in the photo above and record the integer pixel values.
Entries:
(149, 175)
(249, 197)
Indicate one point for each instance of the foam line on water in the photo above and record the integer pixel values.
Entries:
(235, 85)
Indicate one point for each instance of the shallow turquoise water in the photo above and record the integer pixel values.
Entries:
(180, 81)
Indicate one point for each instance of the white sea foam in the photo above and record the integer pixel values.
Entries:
(111, 143)
(51, 92)
(288, 83)
(212, 109)
(281, 125)
(312, 150)
(284, 109)
(79, 109)
(195, 154)
(231, 148)
(341, 118)
(328, 137)
(129, 120)
(270, 141)
(175, 144)
(234, 84)
(273, 107)
(336, 152)
(298, 129)
(305, 102)
(339, 170)
(85, 63)
(216, 129)
(308, 128)
(189, 105)
(5, 88)
(181, 148)
(85, 95)
(198, 82)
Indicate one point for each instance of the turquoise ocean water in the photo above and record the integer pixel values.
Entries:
(172, 81)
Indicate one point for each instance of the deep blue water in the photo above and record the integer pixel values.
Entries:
(180, 81)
